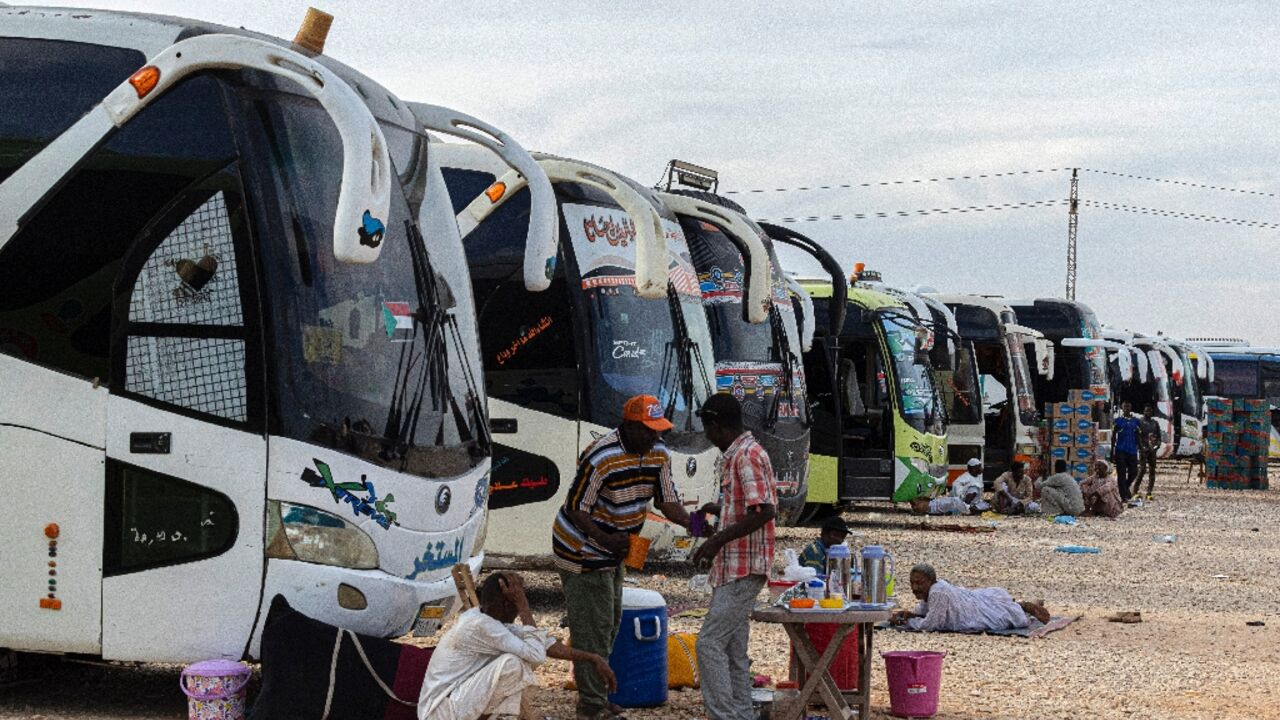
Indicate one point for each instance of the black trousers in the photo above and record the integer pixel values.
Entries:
(1126, 471)
(1148, 467)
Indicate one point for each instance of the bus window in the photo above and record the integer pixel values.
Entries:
(57, 273)
(189, 284)
(54, 82)
(1237, 378)
(528, 340)
(154, 520)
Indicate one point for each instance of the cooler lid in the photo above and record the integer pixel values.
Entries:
(641, 599)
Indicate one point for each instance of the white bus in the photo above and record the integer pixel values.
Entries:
(234, 354)
(758, 359)
(621, 315)
(1007, 428)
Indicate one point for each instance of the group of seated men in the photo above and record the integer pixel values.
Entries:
(1016, 492)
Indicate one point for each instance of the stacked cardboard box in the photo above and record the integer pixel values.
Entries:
(1237, 443)
(1071, 434)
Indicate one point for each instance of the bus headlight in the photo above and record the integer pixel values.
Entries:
(299, 532)
(938, 471)
(1028, 450)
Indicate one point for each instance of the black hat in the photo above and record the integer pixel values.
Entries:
(835, 523)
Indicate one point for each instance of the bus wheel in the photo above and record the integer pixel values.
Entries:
(815, 513)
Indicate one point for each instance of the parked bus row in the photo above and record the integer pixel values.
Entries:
(266, 328)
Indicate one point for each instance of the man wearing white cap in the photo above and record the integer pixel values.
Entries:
(968, 487)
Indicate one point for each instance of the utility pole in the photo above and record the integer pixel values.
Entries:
(1072, 220)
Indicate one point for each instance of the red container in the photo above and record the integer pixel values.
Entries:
(844, 668)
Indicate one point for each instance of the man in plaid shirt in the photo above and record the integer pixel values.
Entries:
(741, 555)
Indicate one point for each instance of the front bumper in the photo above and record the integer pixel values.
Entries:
(392, 603)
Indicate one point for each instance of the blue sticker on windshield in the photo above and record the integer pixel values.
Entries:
(371, 230)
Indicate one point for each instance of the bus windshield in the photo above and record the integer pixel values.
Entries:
(1096, 357)
(722, 280)
(918, 399)
(361, 351)
(721, 275)
(633, 346)
(1191, 402)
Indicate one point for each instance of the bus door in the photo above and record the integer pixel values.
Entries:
(186, 453)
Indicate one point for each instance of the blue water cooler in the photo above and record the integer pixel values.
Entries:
(639, 656)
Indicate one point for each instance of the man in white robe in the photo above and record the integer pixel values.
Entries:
(945, 607)
(969, 487)
(483, 665)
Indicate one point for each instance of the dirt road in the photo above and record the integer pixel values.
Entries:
(1192, 656)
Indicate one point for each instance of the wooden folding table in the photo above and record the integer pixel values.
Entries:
(817, 666)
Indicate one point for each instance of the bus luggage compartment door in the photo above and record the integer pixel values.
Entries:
(53, 547)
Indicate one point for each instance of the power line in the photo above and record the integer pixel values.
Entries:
(918, 213)
(1178, 214)
(985, 176)
(919, 181)
(1100, 204)
(1180, 182)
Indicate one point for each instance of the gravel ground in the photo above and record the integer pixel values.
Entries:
(1192, 656)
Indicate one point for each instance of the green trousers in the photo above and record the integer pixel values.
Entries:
(594, 601)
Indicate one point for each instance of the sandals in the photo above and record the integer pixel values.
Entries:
(608, 712)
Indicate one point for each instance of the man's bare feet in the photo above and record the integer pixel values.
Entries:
(1036, 610)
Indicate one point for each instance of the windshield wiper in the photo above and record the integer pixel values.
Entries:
(687, 357)
(789, 361)
(434, 326)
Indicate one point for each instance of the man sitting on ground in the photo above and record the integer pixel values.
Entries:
(834, 531)
(969, 487)
(1060, 493)
(484, 663)
(1014, 491)
(1101, 492)
(949, 608)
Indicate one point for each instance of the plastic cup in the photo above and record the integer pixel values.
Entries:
(637, 551)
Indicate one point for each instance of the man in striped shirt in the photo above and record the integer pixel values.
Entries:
(741, 555)
(617, 477)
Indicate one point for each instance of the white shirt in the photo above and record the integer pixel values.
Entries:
(956, 609)
(473, 642)
(966, 483)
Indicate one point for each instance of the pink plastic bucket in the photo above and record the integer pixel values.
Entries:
(914, 677)
(215, 689)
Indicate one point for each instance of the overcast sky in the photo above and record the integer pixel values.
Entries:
(781, 95)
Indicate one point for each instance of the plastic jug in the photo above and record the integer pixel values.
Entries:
(875, 579)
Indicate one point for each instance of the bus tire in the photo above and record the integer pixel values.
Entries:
(815, 513)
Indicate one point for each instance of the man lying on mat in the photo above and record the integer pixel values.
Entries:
(949, 608)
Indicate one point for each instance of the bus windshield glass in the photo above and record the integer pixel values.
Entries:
(918, 399)
(633, 347)
(1236, 378)
(722, 280)
(361, 351)
(1191, 401)
(1095, 356)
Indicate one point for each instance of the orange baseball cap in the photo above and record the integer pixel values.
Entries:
(646, 409)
